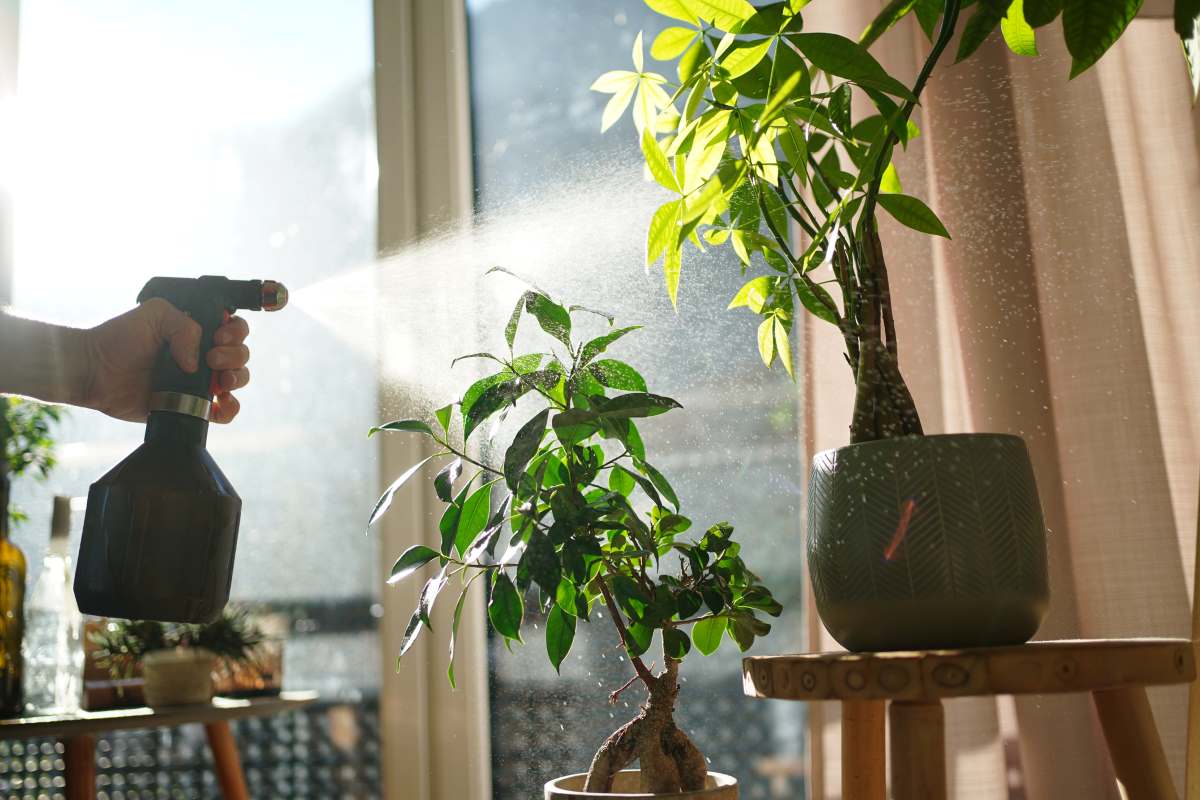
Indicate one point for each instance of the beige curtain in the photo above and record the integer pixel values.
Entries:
(1066, 310)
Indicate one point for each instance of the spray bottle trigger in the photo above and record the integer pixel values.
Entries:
(214, 385)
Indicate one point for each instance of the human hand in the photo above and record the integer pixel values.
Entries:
(121, 352)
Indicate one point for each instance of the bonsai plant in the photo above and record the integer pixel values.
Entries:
(177, 660)
(914, 541)
(568, 503)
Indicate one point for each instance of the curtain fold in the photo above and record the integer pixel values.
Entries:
(1066, 309)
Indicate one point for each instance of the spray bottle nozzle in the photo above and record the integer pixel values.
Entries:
(274, 295)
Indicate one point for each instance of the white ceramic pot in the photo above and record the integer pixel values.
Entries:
(627, 783)
(179, 677)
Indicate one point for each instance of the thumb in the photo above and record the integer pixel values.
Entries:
(179, 330)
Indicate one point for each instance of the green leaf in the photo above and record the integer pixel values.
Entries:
(510, 330)
(443, 416)
(671, 42)
(542, 562)
(672, 267)
(979, 28)
(741, 59)
(660, 482)
(766, 341)
(656, 160)
(574, 425)
(929, 13)
(708, 633)
(890, 184)
(816, 301)
(783, 346)
(912, 212)
(458, 609)
(637, 404)
(490, 401)
(474, 517)
(560, 633)
(1090, 27)
(676, 643)
(414, 425)
(597, 346)
(411, 560)
(621, 481)
(617, 375)
(523, 446)
(1039, 13)
(892, 13)
(554, 319)
(1191, 52)
(640, 637)
(753, 294)
(429, 592)
(505, 608)
(728, 15)
(646, 484)
(1018, 34)
(448, 524)
(778, 100)
(691, 60)
(847, 59)
(664, 226)
(688, 603)
(385, 500)
(676, 9)
(411, 633)
(443, 484)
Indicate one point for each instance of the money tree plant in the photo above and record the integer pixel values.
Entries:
(757, 138)
(574, 517)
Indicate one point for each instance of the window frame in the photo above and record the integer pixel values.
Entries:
(435, 741)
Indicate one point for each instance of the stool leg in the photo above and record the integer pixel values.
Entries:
(1133, 743)
(918, 750)
(226, 761)
(80, 758)
(863, 756)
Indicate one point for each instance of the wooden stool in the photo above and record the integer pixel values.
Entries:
(1114, 671)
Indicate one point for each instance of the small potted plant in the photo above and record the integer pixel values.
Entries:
(575, 521)
(177, 661)
(913, 540)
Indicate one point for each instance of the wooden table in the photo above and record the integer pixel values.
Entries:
(1114, 671)
(78, 734)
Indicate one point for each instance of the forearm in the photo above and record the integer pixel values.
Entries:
(43, 361)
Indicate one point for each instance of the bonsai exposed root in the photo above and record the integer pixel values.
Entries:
(669, 761)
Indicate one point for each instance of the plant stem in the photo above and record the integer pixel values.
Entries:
(949, 22)
(638, 665)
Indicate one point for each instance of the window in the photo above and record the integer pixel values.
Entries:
(220, 138)
(543, 168)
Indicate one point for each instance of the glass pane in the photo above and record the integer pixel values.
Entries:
(219, 138)
(557, 205)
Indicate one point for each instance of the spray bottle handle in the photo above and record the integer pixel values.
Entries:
(168, 377)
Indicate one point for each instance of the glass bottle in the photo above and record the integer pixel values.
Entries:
(53, 644)
(12, 609)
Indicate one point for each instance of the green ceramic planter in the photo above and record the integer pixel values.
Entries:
(927, 542)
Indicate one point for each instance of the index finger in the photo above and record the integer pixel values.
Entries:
(234, 331)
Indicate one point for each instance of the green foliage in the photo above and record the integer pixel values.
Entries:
(25, 429)
(120, 644)
(584, 516)
(758, 140)
(25, 434)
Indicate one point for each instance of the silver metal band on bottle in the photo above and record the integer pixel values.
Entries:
(180, 403)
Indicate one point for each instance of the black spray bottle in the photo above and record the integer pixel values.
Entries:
(161, 527)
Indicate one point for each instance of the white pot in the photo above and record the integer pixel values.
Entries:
(628, 782)
(178, 677)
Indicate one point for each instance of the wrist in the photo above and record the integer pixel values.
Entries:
(47, 362)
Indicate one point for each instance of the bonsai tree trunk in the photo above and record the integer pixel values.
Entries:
(669, 761)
